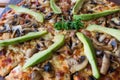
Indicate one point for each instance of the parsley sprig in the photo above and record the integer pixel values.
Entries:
(69, 25)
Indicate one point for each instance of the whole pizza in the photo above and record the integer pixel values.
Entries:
(60, 40)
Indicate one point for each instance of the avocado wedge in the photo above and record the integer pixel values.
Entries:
(95, 15)
(54, 7)
(77, 6)
(38, 16)
(46, 54)
(113, 32)
(29, 36)
(90, 53)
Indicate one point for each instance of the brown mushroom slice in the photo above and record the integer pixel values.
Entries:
(79, 67)
(105, 64)
(36, 75)
(30, 52)
(75, 65)
(101, 46)
(117, 52)
(114, 22)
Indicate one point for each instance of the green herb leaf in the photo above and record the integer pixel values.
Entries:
(69, 25)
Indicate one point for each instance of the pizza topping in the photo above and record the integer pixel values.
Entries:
(69, 25)
(113, 43)
(77, 65)
(91, 78)
(89, 52)
(15, 15)
(35, 75)
(6, 28)
(111, 69)
(17, 31)
(69, 58)
(54, 7)
(45, 54)
(30, 52)
(110, 31)
(77, 6)
(116, 21)
(95, 15)
(48, 67)
(24, 38)
(99, 53)
(82, 58)
(49, 16)
(117, 52)
(105, 64)
(37, 16)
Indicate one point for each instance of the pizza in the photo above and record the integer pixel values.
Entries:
(60, 40)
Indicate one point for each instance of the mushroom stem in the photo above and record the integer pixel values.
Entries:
(105, 64)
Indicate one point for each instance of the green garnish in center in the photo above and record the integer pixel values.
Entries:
(69, 25)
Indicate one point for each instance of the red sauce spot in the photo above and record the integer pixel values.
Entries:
(7, 61)
(59, 75)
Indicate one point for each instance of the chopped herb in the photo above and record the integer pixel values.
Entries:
(69, 25)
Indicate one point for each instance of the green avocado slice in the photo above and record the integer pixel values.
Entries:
(46, 54)
(54, 7)
(77, 6)
(95, 15)
(29, 36)
(90, 53)
(38, 16)
(113, 32)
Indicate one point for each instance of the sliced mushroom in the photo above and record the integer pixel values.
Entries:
(17, 30)
(117, 52)
(27, 30)
(41, 45)
(113, 43)
(101, 38)
(79, 67)
(35, 75)
(105, 64)
(101, 42)
(115, 64)
(116, 21)
(48, 43)
(6, 28)
(30, 52)
(74, 43)
(101, 46)
(75, 65)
